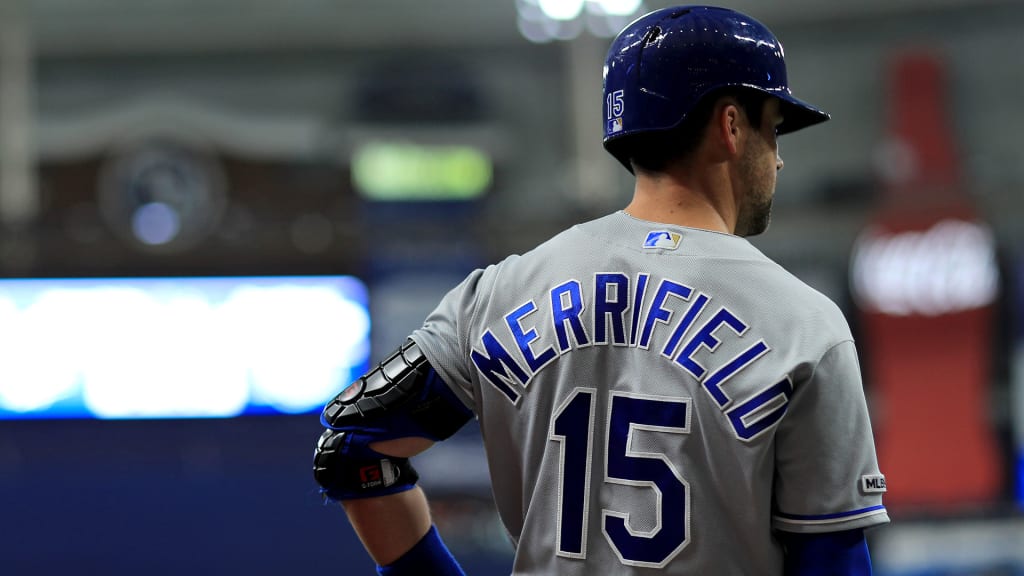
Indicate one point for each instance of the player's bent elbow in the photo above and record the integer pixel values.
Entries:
(402, 447)
(403, 396)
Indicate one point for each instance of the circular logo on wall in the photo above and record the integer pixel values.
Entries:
(161, 196)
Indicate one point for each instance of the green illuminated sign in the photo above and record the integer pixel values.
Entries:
(405, 171)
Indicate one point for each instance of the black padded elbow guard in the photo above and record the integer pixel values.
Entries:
(403, 395)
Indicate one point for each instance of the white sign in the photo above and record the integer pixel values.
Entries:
(178, 347)
(950, 267)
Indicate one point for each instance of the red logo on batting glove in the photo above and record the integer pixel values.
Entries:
(369, 474)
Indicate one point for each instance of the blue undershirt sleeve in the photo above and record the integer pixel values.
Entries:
(429, 557)
(826, 554)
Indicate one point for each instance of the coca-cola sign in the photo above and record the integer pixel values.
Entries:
(949, 267)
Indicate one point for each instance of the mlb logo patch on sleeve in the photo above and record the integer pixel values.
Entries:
(872, 484)
(662, 239)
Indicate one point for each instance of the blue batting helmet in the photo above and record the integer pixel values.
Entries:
(664, 63)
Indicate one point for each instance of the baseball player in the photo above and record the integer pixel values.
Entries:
(654, 393)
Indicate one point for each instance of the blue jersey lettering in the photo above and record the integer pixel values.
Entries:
(658, 314)
(607, 309)
(524, 339)
(615, 300)
(638, 302)
(492, 364)
(567, 307)
(691, 314)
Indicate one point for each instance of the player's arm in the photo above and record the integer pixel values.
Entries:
(825, 465)
(826, 554)
(389, 526)
(374, 426)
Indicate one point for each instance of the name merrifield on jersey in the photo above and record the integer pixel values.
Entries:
(619, 314)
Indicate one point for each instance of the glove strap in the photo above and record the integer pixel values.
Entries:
(348, 476)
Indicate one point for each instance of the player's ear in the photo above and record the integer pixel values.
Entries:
(726, 126)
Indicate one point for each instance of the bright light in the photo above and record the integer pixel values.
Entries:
(619, 7)
(561, 9)
(168, 358)
(542, 21)
(391, 171)
(178, 347)
(156, 223)
(532, 30)
(948, 268)
(289, 372)
(31, 378)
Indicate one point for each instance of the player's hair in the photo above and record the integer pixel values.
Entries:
(655, 151)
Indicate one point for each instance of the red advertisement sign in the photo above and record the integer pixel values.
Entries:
(925, 278)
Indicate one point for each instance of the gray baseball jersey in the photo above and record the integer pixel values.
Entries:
(658, 397)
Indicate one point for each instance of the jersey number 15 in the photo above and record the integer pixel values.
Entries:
(573, 427)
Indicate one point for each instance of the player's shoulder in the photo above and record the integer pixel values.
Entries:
(788, 294)
(560, 245)
(518, 273)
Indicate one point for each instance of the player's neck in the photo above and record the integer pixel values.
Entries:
(695, 203)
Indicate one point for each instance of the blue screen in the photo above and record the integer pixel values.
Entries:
(178, 347)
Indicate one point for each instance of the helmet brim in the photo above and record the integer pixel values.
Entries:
(797, 114)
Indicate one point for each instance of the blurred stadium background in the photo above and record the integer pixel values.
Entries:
(213, 213)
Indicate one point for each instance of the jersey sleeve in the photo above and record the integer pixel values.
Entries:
(827, 476)
(443, 336)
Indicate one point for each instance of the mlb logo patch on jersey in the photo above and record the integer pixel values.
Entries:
(872, 484)
(662, 239)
